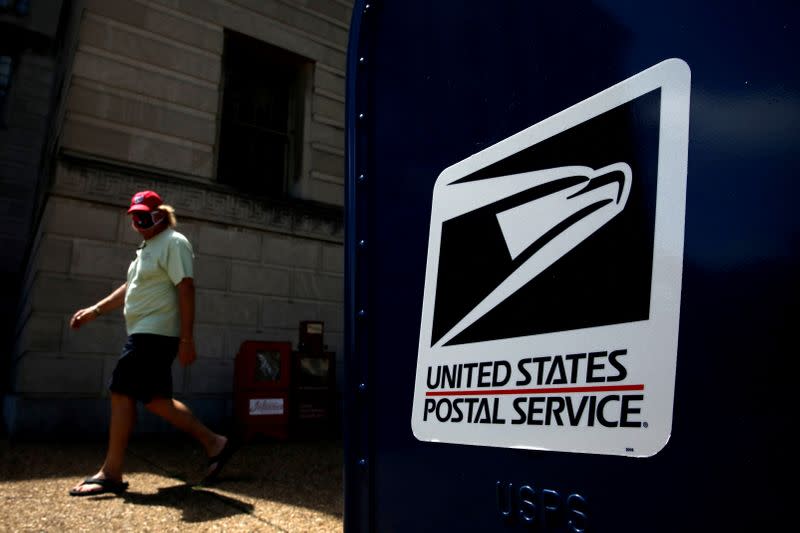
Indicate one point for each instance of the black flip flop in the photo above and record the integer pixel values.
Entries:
(105, 486)
(220, 460)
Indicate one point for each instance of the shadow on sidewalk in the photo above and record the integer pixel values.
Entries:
(304, 473)
(197, 504)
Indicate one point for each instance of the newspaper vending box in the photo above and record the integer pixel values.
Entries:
(261, 390)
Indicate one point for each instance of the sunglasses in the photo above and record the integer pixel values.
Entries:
(143, 220)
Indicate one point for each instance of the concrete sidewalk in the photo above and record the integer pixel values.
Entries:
(293, 486)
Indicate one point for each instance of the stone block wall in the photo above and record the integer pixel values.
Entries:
(146, 83)
(259, 271)
(22, 139)
(140, 109)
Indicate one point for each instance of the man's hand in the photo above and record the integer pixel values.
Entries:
(186, 352)
(81, 317)
(113, 301)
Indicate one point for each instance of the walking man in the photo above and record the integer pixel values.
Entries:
(158, 299)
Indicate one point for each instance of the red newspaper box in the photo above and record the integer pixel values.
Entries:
(261, 390)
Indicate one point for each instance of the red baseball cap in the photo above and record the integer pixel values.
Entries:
(146, 201)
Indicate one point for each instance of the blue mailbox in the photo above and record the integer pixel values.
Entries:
(571, 264)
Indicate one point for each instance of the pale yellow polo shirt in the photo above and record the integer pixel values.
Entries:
(151, 299)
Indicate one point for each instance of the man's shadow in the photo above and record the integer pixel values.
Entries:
(197, 503)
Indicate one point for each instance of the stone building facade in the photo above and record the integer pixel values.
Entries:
(143, 105)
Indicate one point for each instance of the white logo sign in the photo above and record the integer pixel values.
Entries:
(552, 289)
(266, 406)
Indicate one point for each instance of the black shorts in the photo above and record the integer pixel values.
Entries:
(144, 370)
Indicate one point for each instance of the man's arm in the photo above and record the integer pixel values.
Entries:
(113, 301)
(186, 350)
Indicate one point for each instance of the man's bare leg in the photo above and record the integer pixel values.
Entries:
(123, 418)
(177, 414)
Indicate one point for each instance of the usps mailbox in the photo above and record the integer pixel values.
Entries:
(571, 262)
(262, 389)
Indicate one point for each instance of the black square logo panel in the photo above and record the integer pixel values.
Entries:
(603, 280)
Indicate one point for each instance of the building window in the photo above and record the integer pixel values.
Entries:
(263, 101)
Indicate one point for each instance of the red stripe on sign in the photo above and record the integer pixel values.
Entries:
(551, 390)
